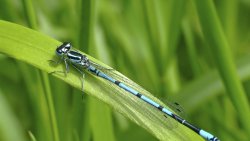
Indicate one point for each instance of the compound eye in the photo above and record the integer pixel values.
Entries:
(64, 50)
(66, 46)
(59, 51)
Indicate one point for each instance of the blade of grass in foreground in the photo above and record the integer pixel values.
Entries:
(36, 49)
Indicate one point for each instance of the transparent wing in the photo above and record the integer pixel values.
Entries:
(99, 66)
(177, 108)
(170, 123)
(132, 100)
(118, 76)
(173, 106)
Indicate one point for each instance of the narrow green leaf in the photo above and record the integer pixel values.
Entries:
(32, 137)
(86, 23)
(216, 39)
(10, 129)
(85, 40)
(30, 13)
(42, 77)
(209, 85)
(36, 49)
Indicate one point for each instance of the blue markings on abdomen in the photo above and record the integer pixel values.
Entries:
(134, 92)
(148, 100)
(208, 136)
(166, 111)
(204, 134)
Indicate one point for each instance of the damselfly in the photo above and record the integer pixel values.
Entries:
(79, 60)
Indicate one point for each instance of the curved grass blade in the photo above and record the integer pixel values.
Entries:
(36, 49)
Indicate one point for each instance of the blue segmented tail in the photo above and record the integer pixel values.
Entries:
(204, 134)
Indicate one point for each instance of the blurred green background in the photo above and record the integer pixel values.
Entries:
(184, 51)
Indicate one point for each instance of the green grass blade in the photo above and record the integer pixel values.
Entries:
(86, 22)
(10, 129)
(42, 77)
(221, 51)
(208, 86)
(191, 48)
(30, 13)
(32, 137)
(49, 98)
(102, 127)
(36, 49)
(85, 40)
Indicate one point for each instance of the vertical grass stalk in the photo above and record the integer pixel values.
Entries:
(221, 51)
(43, 77)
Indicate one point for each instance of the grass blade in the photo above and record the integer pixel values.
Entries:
(221, 51)
(36, 49)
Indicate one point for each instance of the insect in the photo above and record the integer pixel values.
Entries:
(79, 60)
